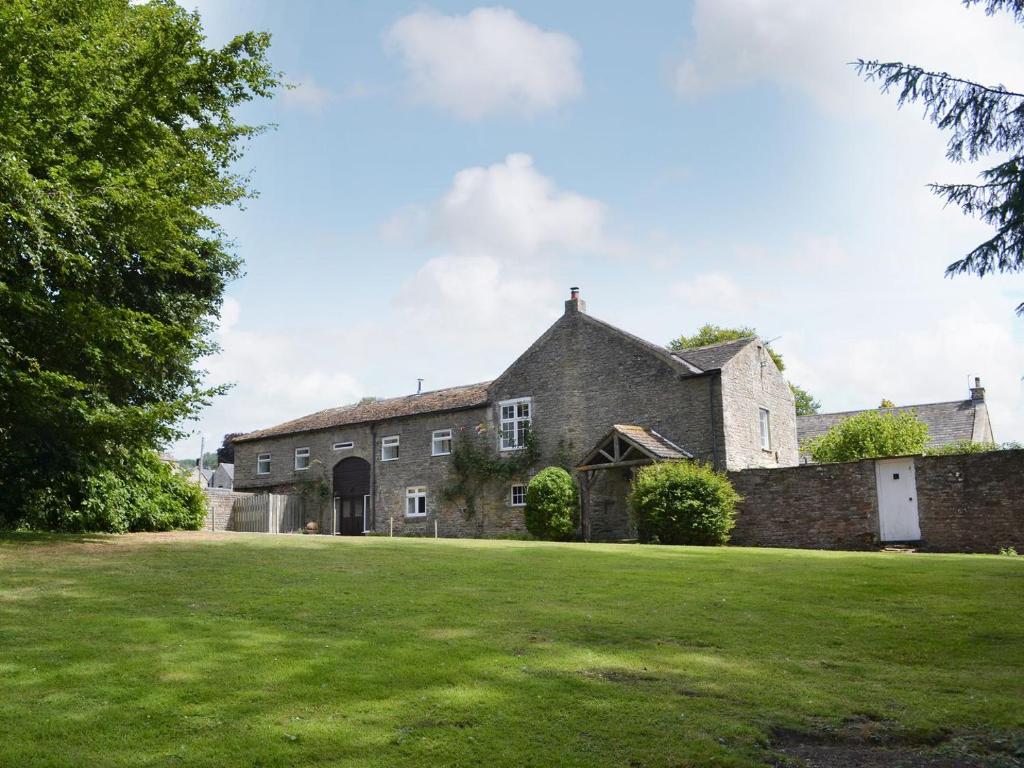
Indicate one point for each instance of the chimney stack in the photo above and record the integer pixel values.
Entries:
(575, 303)
(977, 391)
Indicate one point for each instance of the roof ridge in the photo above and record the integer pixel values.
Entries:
(893, 408)
(744, 339)
(662, 352)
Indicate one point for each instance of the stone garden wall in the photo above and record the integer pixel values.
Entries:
(966, 503)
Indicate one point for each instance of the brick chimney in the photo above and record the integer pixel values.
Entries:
(575, 303)
(978, 391)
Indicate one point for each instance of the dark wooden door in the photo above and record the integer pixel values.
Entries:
(351, 487)
(350, 515)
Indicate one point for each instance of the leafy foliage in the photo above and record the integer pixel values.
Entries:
(116, 143)
(967, 446)
(476, 465)
(552, 505)
(886, 403)
(135, 493)
(716, 334)
(806, 404)
(226, 452)
(869, 434)
(982, 120)
(682, 502)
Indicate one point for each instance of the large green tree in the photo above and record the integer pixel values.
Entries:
(117, 141)
(716, 334)
(982, 120)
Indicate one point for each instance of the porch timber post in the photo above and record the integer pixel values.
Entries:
(586, 477)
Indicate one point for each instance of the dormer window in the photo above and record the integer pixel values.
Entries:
(516, 418)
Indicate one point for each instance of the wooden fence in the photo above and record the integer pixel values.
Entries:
(269, 513)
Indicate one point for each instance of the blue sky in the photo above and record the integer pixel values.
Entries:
(442, 173)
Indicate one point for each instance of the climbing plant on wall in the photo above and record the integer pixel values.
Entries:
(477, 466)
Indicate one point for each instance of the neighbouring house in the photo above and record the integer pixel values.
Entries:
(953, 422)
(200, 476)
(223, 477)
(585, 395)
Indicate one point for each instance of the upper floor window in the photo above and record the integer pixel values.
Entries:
(415, 501)
(766, 430)
(389, 448)
(347, 446)
(516, 417)
(263, 464)
(517, 496)
(302, 458)
(441, 442)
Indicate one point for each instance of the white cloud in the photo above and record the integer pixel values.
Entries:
(306, 94)
(806, 45)
(466, 302)
(508, 209)
(488, 61)
(715, 291)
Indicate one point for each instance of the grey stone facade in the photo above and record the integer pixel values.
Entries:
(581, 377)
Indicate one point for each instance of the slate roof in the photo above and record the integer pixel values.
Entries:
(653, 443)
(451, 399)
(947, 422)
(690, 362)
(229, 470)
(714, 356)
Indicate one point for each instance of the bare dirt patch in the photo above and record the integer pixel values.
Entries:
(867, 743)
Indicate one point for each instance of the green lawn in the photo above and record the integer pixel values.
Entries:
(275, 650)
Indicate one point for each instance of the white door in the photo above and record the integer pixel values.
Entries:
(897, 500)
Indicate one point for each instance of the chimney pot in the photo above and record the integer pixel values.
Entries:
(977, 391)
(575, 303)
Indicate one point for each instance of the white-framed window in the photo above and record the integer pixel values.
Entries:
(416, 501)
(263, 464)
(302, 458)
(764, 420)
(389, 448)
(516, 417)
(517, 495)
(441, 442)
(346, 446)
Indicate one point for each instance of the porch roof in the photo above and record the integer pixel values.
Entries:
(627, 445)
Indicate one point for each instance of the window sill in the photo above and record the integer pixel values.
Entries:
(301, 469)
(383, 459)
(449, 453)
(416, 517)
(509, 450)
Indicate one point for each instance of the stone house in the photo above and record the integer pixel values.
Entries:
(957, 421)
(585, 395)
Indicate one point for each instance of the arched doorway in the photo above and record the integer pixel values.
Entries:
(351, 496)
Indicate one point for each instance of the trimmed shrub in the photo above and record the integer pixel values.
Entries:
(682, 502)
(869, 435)
(552, 507)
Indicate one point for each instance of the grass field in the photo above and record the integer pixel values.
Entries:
(215, 650)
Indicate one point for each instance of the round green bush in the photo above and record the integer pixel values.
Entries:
(552, 508)
(682, 502)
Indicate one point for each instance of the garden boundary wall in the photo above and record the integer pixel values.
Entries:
(965, 503)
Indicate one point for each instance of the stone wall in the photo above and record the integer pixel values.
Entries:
(751, 381)
(814, 506)
(971, 503)
(219, 502)
(967, 503)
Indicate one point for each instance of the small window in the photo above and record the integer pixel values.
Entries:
(766, 430)
(342, 446)
(516, 418)
(302, 458)
(263, 464)
(389, 448)
(415, 501)
(441, 442)
(518, 495)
